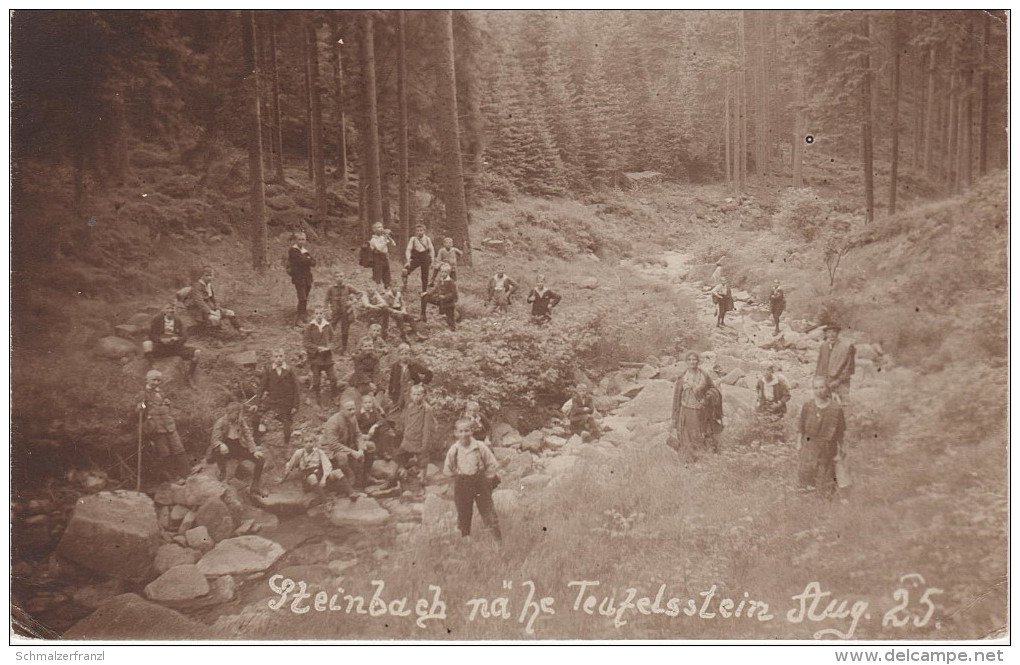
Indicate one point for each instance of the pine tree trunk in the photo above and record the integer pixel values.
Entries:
(741, 107)
(318, 160)
(306, 53)
(930, 126)
(952, 121)
(726, 122)
(370, 143)
(895, 115)
(919, 111)
(277, 119)
(799, 131)
(404, 184)
(257, 194)
(338, 82)
(868, 157)
(983, 138)
(449, 135)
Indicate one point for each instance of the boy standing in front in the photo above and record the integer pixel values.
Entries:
(473, 467)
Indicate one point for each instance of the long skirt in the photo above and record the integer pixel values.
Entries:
(816, 468)
(693, 433)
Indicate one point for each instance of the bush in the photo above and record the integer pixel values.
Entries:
(802, 212)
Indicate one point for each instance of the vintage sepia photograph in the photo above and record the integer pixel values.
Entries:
(509, 326)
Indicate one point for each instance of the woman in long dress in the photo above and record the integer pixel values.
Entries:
(822, 426)
(693, 425)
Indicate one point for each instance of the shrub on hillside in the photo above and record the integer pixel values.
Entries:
(496, 186)
(802, 212)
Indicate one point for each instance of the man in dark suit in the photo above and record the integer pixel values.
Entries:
(279, 394)
(167, 338)
(299, 267)
(405, 372)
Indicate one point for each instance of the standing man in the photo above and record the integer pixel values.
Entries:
(777, 303)
(160, 429)
(299, 267)
(405, 372)
(420, 254)
(501, 288)
(232, 439)
(168, 338)
(836, 364)
(419, 430)
(339, 297)
(473, 467)
(722, 296)
(279, 395)
(542, 301)
(380, 246)
(318, 341)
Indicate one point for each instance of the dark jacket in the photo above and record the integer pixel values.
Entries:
(281, 391)
(444, 292)
(299, 265)
(542, 304)
(416, 373)
(158, 329)
(315, 337)
(202, 299)
(339, 300)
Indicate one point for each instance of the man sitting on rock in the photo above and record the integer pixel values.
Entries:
(202, 304)
(232, 439)
(405, 372)
(167, 338)
(159, 428)
(342, 441)
(317, 472)
(373, 424)
(582, 413)
(443, 294)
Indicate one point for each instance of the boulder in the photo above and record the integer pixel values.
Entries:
(141, 320)
(197, 489)
(232, 498)
(338, 566)
(511, 439)
(114, 533)
(244, 358)
(131, 331)
(534, 482)
(177, 515)
(533, 441)
(503, 454)
(555, 466)
(737, 402)
(182, 582)
(589, 283)
(198, 538)
(866, 352)
(631, 390)
(172, 554)
(672, 371)
(732, 376)
(364, 512)
(115, 348)
(130, 617)
(505, 500)
(240, 556)
(285, 499)
(262, 519)
(437, 510)
(553, 442)
(94, 595)
(499, 431)
(604, 403)
(648, 372)
(518, 465)
(222, 590)
(187, 522)
(246, 526)
(574, 444)
(654, 404)
(214, 515)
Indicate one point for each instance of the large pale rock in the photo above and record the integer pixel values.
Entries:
(437, 510)
(533, 441)
(552, 442)
(182, 582)
(503, 454)
(130, 617)
(733, 376)
(94, 595)
(672, 372)
(197, 490)
(172, 554)
(654, 404)
(198, 538)
(648, 372)
(245, 358)
(519, 465)
(115, 348)
(214, 515)
(240, 556)
(499, 431)
(556, 466)
(130, 331)
(534, 482)
(631, 390)
(261, 519)
(737, 402)
(142, 320)
(114, 533)
(177, 515)
(364, 512)
(285, 499)
(505, 500)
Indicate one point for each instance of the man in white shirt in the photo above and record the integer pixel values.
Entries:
(419, 255)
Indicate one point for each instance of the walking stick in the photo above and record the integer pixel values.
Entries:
(138, 480)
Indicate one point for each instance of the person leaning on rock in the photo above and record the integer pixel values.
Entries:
(168, 338)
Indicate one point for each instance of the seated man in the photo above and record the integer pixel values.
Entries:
(202, 304)
(582, 413)
(279, 394)
(366, 366)
(375, 310)
(341, 439)
(501, 289)
(773, 394)
(442, 294)
(232, 439)
(167, 338)
(399, 315)
(317, 472)
(405, 372)
(373, 424)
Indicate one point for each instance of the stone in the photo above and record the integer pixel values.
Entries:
(285, 499)
(141, 320)
(574, 444)
(216, 518)
(182, 582)
(505, 500)
(866, 352)
(384, 468)
(364, 512)
(533, 441)
(648, 372)
(198, 538)
(589, 283)
(222, 589)
(380, 554)
(534, 482)
(244, 527)
(503, 454)
(500, 430)
(733, 376)
(130, 331)
(242, 555)
(263, 519)
(512, 439)
(338, 566)
(604, 403)
(114, 533)
(187, 522)
(197, 489)
(130, 617)
(556, 466)
(172, 554)
(244, 358)
(232, 499)
(115, 348)
(654, 404)
(631, 391)
(180, 540)
(437, 510)
(518, 465)
(177, 515)
(162, 517)
(737, 402)
(316, 574)
(553, 442)
(94, 595)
